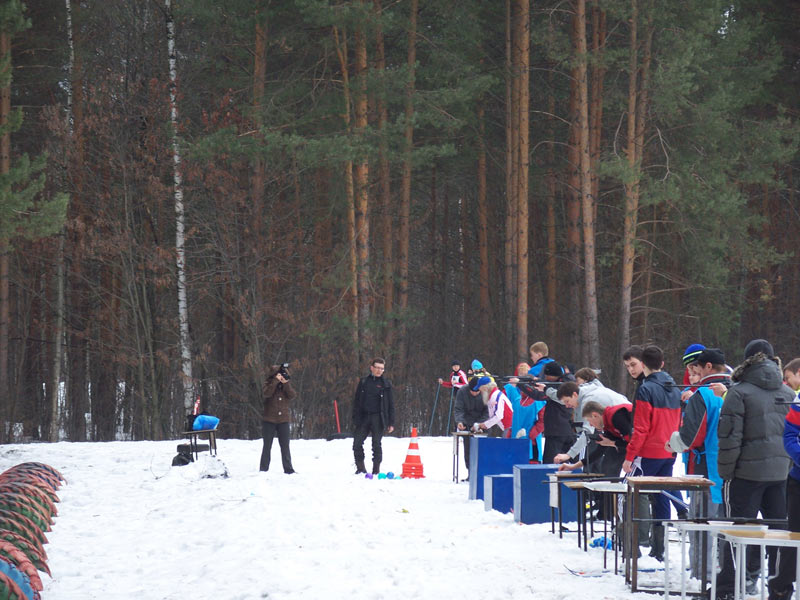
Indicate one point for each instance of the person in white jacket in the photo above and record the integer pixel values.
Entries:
(499, 406)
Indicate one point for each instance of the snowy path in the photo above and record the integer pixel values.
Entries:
(129, 526)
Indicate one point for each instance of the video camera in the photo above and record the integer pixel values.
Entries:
(284, 371)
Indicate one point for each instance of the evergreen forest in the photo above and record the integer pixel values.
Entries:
(194, 190)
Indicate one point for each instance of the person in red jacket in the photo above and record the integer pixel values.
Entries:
(457, 377)
(657, 413)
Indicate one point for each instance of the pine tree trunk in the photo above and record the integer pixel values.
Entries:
(523, 44)
(362, 196)
(587, 202)
(341, 50)
(575, 294)
(405, 202)
(5, 167)
(551, 277)
(631, 198)
(384, 176)
(596, 111)
(258, 175)
(180, 241)
(483, 232)
(512, 165)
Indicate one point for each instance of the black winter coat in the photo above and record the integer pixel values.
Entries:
(751, 423)
(469, 409)
(386, 402)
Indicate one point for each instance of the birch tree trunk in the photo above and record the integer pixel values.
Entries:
(587, 201)
(58, 326)
(180, 253)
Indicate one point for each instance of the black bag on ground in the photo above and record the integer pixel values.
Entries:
(182, 459)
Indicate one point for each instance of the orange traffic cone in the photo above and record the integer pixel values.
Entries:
(412, 468)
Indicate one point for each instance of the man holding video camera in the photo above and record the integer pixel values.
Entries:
(277, 415)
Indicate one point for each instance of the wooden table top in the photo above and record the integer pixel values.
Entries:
(768, 535)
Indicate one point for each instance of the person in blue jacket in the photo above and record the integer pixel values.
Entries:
(540, 356)
(698, 437)
(780, 586)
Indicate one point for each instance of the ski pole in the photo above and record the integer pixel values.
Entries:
(433, 412)
(450, 410)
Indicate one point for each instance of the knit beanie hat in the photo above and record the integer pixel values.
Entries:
(473, 384)
(553, 369)
(758, 345)
(477, 365)
(483, 381)
(691, 354)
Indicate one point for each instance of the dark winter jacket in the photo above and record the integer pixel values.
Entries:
(657, 413)
(374, 396)
(276, 398)
(751, 423)
(557, 418)
(469, 409)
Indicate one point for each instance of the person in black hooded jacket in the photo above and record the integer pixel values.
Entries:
(373, 413)
(752, 460)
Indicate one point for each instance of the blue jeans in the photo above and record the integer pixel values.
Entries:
(659, 467)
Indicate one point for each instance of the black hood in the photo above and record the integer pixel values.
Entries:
(761, 371)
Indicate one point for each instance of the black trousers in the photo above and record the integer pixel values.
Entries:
(370, 424)
(785, 578)
(745, 498)
(268, 433)
(556, 445)
(466, 439)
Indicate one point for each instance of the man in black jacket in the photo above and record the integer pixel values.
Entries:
(469, 409)
(373, 412)
(752, 460)
(559, 434)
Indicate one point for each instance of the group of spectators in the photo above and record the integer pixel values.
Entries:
(737, 427)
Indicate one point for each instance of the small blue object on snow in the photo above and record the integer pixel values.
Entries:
(202, 422)
(601, 541)
(390, 475)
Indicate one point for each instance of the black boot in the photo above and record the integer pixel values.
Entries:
(360, 467)
(376, 467)
(658, 541)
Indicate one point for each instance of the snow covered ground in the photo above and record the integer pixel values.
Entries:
(130, 526)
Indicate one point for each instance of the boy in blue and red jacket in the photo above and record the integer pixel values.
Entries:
(656, 414)
(780, 586)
